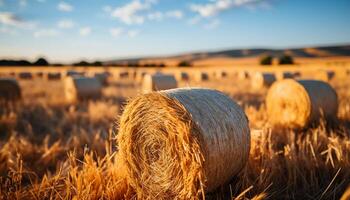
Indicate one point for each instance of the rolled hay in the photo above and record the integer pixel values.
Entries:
(81, 88)
(201, 76)
(39, 74)
(156, 82)
(139, 76)
(25, 75)
(220, 74)
(74, 73)
(297, 104)
(9, 89)
(50, 76)
(283, 75)
(182, 143)
(262, 80)
(243, 75)
(102, 77)
(182, 76)
(326, 75)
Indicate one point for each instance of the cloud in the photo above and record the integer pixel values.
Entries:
(156, 16)
(133, 33)
(46, 33)
(178, 14)
(85, 31)
(65, 24)
(131, 12)
(10, 19)
(116, 32)
(65, 7)
(215, 7)
(212, 24)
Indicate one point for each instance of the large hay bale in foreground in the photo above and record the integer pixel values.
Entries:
(157, 82)
(296, 104)
(262, 80)
(181, 143)
(9, 89)
(81, 88)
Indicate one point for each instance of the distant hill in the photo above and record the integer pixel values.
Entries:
(241, 54)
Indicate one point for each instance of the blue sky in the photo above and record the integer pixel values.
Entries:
(71, 30)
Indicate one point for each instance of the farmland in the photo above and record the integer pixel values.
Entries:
(51, 149)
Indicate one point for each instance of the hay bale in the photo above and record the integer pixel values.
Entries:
(139, 76)
(50, 76)
(325, 75)
(157, 82)
(102, 77)
(39, 74)
(243, 75)
(25, 75)
(296, 104)
(181, 143)
(262, 80)
(201, 76)
(74, 73)
(220, 74)
(284, 75)
(182, 76)
(81, 88)
(9, 89)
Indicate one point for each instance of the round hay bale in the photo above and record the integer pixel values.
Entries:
(81, 88)
(262, 80)
(9, 89)
(139, 76)
(296, 104)
(74, 73)
(326, 75)
(201, 76)
(220, 74)
(39, 74)
(51, 76)
(243, 75)
(182, 143)
(102, 77)
(284, 75)
(157, 82)
(182, 76)
(25, 75)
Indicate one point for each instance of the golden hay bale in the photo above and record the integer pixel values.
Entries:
(139, 76)
(74, 73)
(81, 88)
(102, 77)
(201, 76)
(220, 74)
(25, 75)
(262, 79)
(182, 76)
(181, 143)
(157, 82)
(53, 76)
(9, 89)
(243, 75)
(296, 104)
(325, 75)
(283, 75)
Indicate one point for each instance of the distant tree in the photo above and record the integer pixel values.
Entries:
(41, 62)
(184, 64)
(285, 60)
(81, 63)
(266, 60)
(97, 63)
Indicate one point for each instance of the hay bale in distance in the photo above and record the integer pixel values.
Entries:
(102, 77)
(220, 74)
(25, 75)
(182, 76)
(201, 76)
(181, 143)
(74, 73)
(50, 76)
(261, 80)
(81, 88)
(296, 104)
(243, 75)
(157, 82)
(284, 75)
(9, 89)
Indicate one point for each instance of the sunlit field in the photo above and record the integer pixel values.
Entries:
(51, 149)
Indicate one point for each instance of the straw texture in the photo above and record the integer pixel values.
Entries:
(9, 89)
(181, 143)
(297, 104)
(81, 88)
(157, 82)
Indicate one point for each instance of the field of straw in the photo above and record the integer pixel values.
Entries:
(50, 149)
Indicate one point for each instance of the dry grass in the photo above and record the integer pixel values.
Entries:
(50, 150)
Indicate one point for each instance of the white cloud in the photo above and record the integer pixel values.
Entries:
(157, 16)
(10, 19)
(116, 32)
(46, 33)
(212, 24)
(178, 14)
(65, 7)
(65, 24)
(85, 31)
(214, 8)
(133, 33)
(131, 12)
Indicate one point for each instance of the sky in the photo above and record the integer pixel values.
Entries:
(72, 30)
